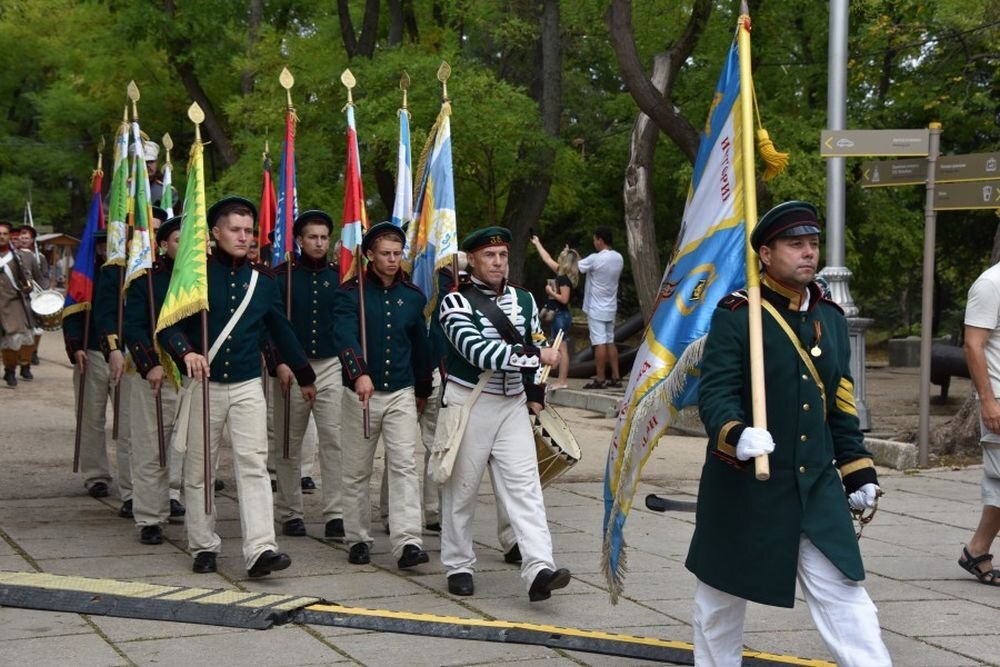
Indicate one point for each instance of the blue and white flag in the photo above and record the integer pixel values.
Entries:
(402, 207)
(708, 262)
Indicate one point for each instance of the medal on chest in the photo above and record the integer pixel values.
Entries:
(815, 350)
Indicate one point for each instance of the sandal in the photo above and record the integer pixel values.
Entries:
(971, 565)
(594, 384)
(615, 383)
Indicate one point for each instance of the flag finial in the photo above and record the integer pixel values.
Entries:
(100, 154)
(197, 117)
(444, 71)
(347, 78)
(404, 85)
(287, 81)
(168, 143)
(133, 94)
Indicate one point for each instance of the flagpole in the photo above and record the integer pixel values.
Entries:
(133, 91)
(762, 468)
(78, 435)
(197, 116)
(287, 81)
(347, 78)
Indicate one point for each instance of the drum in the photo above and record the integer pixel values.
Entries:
(555, 445)
(47, 307)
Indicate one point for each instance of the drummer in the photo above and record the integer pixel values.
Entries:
(40, 275)
(500, 430)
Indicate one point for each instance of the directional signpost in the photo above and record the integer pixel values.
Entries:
(953, 182)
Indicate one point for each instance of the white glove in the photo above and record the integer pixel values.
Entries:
(754, 442)
(864, 498)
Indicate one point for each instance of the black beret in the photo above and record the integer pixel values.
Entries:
(314, 215)
(216, 208)
(168, 228)
(381, 229)
(486, 236)
(792, 218)
(160, 214)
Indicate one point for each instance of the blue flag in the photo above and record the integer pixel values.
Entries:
(708, 262)
(80, 285)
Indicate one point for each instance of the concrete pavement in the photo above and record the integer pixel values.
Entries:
(932, 613)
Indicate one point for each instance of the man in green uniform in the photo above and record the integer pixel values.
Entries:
(315, 283)
(752, 538)
(393, 380)
(152, 505)
(243, 301)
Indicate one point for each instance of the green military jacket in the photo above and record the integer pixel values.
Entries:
(238, 360)
(315, 286)
(399, 352)
(102, 334)
(476, 345)
(746, 539)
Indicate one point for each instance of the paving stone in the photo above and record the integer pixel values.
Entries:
(418, 651)
(88, 649)
(28, 623)
(978, 649)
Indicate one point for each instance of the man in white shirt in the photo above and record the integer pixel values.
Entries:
(600, 303)
(982, 351)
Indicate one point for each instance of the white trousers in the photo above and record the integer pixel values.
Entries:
(326, 413)
(430, 491)
(237, 406)
(499, 435)
(152, 486)
(841, 610)
(93, 447)
(393, 416)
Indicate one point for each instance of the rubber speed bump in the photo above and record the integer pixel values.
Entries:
(129, 599)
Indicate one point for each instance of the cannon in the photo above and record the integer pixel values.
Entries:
(947, 361)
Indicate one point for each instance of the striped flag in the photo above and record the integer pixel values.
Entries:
(118, 207)
(432, 238)
(188, 290)
(80, 286)
(355, 218)
(140, 251)
(288, 201)
(268, 206)
(402, 207)
(708, 263)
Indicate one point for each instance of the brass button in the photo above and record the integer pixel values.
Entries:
(225, 376)
(803, 437)
(226, 363)
(805, 377)
(232, 284)
(389, 325)
(805, 407)
(802, 468)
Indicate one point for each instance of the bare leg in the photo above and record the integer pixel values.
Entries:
(563, 363)
(600, 357)
(613, 359)
(986, 532)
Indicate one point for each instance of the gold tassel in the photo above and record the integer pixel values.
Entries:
(775, 160)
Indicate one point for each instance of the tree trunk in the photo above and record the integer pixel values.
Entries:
(365, 44)
(638, 193)
(253, 29)
(214, 126)
(528, 194)
(395, 22)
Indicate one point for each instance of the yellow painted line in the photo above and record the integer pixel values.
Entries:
(83, 584)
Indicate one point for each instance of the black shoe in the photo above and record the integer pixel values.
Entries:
(218, 485)
(294, 528)
(461, 584)
(125, 511)
(513, 556)
(151, 535)
(267, 563)
(308, 485)
(34, 359)
(204, 562)
(359, 554)
(176, 509)
(615, 383)
(274, 486)
(98, 490)
(412, 556)
(26, 373)
(11, 377)
(547, 581)
(334, 529)
(434, 527)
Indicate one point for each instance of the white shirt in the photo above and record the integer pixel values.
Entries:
(600, 296)
(983, 311)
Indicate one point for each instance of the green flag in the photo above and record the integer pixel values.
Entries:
(118, 207)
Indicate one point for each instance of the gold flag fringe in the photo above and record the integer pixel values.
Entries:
(429, 144)
(775, 161)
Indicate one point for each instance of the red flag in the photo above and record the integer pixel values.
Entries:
(355, 219)
(268, 206)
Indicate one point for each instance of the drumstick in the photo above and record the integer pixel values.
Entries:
(548, 367)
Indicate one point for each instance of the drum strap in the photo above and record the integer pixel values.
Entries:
(6, 269)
